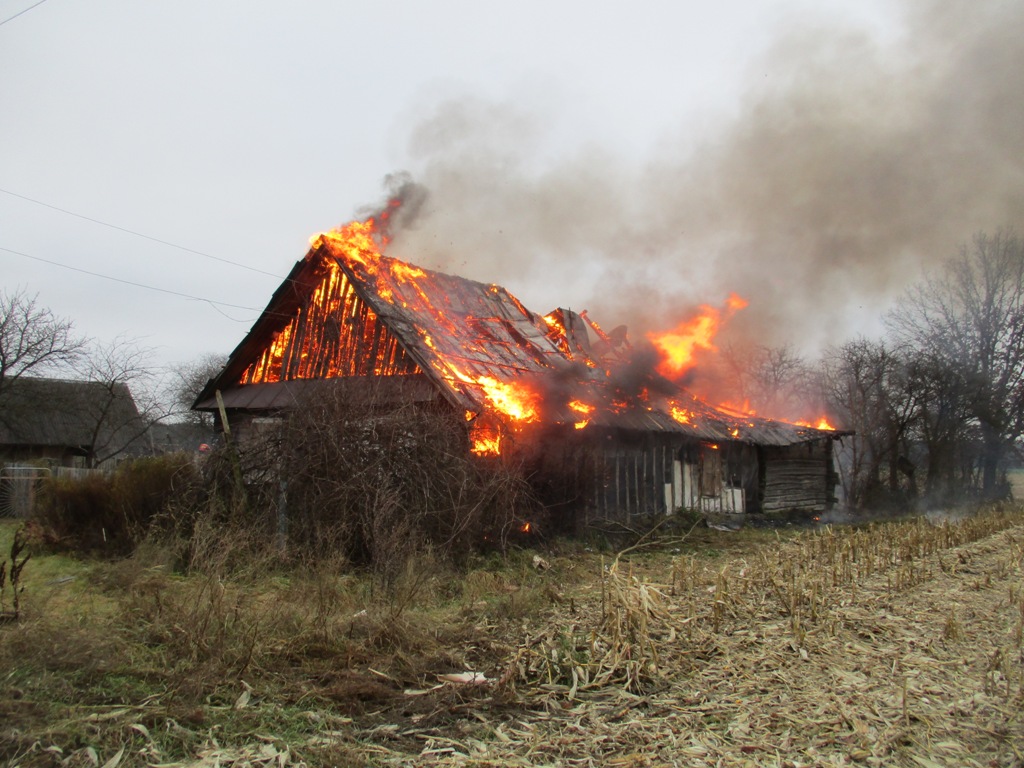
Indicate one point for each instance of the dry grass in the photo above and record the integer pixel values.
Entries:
(896, 644)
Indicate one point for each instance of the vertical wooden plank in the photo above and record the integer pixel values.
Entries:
(636, 465)
(641, 485)
(346, 334)
(616, 503)
(375, 346)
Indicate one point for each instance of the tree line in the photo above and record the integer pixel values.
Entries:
(936, 402)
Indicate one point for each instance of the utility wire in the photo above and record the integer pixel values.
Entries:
(138, 234)
(11, 18)
(211, 302)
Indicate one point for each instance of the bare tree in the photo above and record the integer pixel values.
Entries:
(773, 381)
(943, 426)
(869, 389)
(188, 381)
(971, 319)
(122, 405)
(33, 340)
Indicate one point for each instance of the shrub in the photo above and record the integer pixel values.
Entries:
(110, 514)
(383, 480)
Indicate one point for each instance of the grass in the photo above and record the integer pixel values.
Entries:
(877, 645)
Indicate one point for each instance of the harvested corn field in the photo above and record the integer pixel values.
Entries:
(891, 644)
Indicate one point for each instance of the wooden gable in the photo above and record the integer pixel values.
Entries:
(333, 333)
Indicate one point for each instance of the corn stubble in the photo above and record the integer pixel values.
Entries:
(882, 645)
(839, 618)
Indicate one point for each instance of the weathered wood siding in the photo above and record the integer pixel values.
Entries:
(634, 478)
(650, 474)
(797, 477)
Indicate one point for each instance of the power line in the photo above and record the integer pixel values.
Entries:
(211, 302)
(11, 18)
(139, 234)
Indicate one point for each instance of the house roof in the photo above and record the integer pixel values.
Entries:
(461, 334)
(57, 413)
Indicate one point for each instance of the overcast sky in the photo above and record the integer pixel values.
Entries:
(632, 158)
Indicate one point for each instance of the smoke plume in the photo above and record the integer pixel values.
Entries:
(853, 165)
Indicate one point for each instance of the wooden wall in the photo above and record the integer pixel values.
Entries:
(797, 477)
(638, 476)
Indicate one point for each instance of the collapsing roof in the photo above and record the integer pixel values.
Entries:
(345, 310)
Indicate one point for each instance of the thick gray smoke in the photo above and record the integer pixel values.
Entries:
(853, 165)
(400, 208)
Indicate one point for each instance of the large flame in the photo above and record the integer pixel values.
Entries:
(336, 333)
(515, 400)
(680, 346)
(822, 423)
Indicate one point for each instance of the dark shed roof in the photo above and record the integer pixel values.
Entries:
(57, 413)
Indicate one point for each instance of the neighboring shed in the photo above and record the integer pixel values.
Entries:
(68, 423)
(347, 313)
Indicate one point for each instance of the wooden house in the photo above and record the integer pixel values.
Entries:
(68, 423)
(348, 316)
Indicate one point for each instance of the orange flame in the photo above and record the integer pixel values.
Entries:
(295, 350)
(584, 409)
(514, 399)
(680, 346)
(485, 440)
(361, 242)
(680, 414)
(822, 423)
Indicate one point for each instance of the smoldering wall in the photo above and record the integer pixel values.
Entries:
(852, 165)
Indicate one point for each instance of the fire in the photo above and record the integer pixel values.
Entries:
(485, 441)
(580, 407)
(680, 346)
(584, 409)
(822, 423)
(361, 242)
(680, 414)
(337, 332)
(486, 445)
(357, 238)
(514, 399)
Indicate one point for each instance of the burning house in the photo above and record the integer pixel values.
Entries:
(621, 440)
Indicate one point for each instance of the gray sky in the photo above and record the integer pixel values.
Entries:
(632, 158)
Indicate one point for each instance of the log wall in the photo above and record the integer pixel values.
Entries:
(798, 477)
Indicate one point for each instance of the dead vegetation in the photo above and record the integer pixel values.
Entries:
(890, 644)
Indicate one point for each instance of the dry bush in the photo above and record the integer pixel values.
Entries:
(11, 575)
(382, 481)
(110, 514)
(212, 629)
